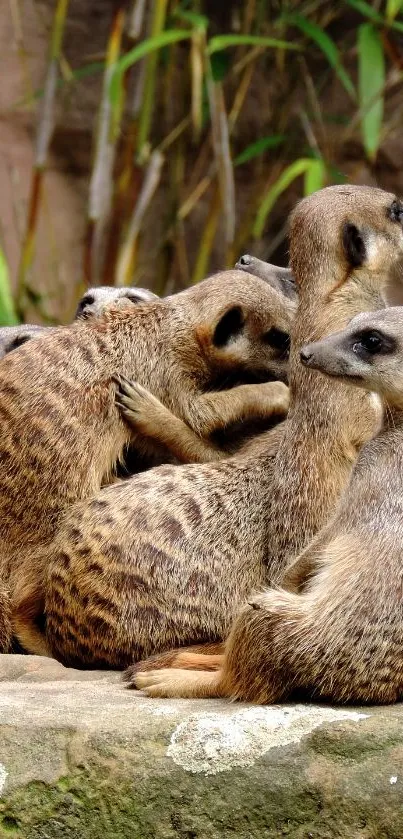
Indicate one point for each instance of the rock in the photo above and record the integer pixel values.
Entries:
(82, 757)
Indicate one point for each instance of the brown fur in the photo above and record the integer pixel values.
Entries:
(61, 432)
(93, 302)
(168, 557)
(283, 641)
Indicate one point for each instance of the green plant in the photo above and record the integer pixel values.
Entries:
(180, 138)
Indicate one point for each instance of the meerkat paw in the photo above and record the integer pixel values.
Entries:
(137, 404)
(162, 683)
(178, 683)
(276, 396)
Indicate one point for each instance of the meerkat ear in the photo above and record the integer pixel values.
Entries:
(230, 325)
(354, 245)
(17, 342)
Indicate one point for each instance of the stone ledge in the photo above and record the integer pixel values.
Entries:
(82, 757)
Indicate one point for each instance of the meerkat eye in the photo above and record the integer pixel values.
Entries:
(277, 339)
(395, 211)
(371, 343)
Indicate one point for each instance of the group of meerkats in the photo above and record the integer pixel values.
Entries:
(169, 506)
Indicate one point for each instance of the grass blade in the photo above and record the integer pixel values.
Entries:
(260, 146)
(367, 11)
(198, 46)
(149, 45)
(125, 264)
(328, 47)
(101, 183)
(392, 9)
(371, 81)
(315, 176)
(8, 315)
(150, 76)
(207, 238)
(43, 136)
(299, 167)
(222, 42)
(222, 153)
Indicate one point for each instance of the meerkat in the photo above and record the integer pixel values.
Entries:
(61, 431)
(149, 417)
(93, 302)
(167, 557)
(281, 276)
(341, 638)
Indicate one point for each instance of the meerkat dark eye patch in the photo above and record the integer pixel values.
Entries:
(277, 339)
(372, 342)
(88, 300)
(395, 211)
(229, 326)
(354, 245)
(134, 298)
(17, 342)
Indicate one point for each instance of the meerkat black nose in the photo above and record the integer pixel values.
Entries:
(245, 259)
(305, 355)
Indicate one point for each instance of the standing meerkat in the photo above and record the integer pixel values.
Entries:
(167, 557)
(341, 639)
(93, 302)
(62, 434)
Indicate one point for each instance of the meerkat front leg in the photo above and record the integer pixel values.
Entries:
(149, 417)
(207, 413)
(217, 410)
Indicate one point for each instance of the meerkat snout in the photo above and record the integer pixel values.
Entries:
(279, 278)
(305, 355)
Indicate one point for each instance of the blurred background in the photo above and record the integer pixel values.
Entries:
(152, 142)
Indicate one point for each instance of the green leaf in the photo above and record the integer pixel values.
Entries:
(199, 22)
(325, 43)
(392, 9)
(221, 42)
(8, 315)
(257, 148)
(138, 52)
(299, 167)
(371, 81)
(367, 11)
(315, 176)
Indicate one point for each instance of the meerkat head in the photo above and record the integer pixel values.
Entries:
(368, 353)
(345, 233)
(244, 327)
(96, 300)
(12, 337)
(279, 278)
